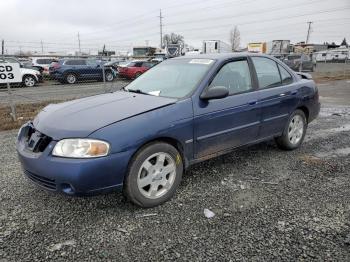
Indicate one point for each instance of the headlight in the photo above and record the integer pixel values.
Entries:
(81, 148)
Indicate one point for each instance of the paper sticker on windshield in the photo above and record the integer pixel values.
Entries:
(201, 61)
(154, 93)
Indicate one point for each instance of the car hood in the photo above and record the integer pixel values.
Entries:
(29, 71)
(81, 117)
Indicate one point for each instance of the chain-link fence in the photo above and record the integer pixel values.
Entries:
(48, 80)
(337, 69)
(51, 80)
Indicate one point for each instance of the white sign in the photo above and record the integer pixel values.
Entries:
(10, 73)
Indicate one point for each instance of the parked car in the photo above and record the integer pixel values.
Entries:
(115, 64)
(30, 77)
(135, 68)
(182, 111)
(72, 70)
(293, 61)
(43, 63)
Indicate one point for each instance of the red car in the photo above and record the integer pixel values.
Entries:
(135, 69)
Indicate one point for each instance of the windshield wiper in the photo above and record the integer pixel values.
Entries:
(138, 91)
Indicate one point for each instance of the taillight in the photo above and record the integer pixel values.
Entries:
(56, 65)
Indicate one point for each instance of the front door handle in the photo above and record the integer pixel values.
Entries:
(253, 102)
(283, 94)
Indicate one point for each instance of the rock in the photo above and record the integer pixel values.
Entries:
(208, 213)
(58, 246)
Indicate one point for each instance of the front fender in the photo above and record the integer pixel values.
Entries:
(174, 121)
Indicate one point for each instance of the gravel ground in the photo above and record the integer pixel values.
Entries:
(269, 205)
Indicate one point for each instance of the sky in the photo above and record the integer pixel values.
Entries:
(120, 25)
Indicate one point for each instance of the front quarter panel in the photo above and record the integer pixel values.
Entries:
(173, 121)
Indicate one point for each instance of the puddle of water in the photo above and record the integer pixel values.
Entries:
(334, 153)
(327, 132)
(329, 111)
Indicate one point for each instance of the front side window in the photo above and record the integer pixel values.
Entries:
(235, 76)
(91, 62)
(267, 72)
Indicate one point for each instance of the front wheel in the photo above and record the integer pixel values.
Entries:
(294, 132)
(154, 174)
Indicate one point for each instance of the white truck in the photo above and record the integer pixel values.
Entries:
(215, 46)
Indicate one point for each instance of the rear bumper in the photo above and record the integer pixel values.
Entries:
(314, 111)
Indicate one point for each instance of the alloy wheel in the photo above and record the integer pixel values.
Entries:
(295, 129)
(156, 175)
(29, 81)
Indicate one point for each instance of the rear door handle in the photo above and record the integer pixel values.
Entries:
(294, 92)
(253, 102)
(283, 94)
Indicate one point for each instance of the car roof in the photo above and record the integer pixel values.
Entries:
(221, 56)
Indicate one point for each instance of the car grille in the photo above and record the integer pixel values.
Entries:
(47, 183)
(36, 141)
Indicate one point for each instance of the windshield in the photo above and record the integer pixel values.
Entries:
(173, 78)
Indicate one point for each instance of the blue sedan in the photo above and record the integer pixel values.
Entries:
(185, 110)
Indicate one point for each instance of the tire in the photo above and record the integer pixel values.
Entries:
(151, 180)
(109, 76)
(71, 78)
(29, 81)
(290, 140)
(137, 74)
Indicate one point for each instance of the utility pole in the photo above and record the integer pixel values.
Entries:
(161, 27)
(42, 47)
(2, 47)
(308, 32)
(79, 43)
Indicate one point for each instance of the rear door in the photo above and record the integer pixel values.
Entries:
(278, 95)
(222, 124)
(93, 69)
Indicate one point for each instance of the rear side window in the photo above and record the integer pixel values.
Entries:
(286, 77)
(235, 76)
(75, 62)
(44, 61)
(147, 64)
(267, 72)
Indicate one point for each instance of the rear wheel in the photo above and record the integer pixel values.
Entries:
(154, 174)
(71, 78)
(294, 132)
(109, 76)
(29, 81)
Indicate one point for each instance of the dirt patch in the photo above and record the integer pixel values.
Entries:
(24, 112)
(325, 77)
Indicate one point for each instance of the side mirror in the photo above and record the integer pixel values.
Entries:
(215, 92)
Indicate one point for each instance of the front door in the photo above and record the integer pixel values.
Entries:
(222, 124)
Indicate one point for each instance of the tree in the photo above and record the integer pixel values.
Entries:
(235, 39)
(173, 39)
(344, 43)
